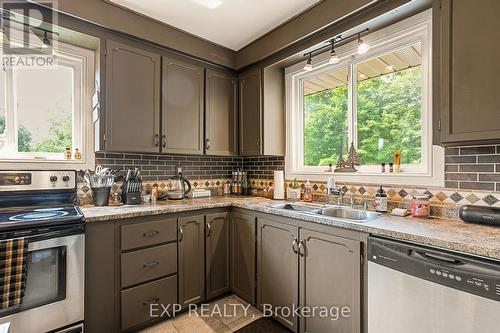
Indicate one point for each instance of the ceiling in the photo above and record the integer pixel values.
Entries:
(230, 23)
(407, 57)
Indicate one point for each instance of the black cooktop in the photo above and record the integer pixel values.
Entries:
(39, 215)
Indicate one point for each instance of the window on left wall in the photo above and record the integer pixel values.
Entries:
(43, 111)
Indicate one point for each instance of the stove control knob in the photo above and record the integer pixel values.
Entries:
(65, 178)
(53, 179)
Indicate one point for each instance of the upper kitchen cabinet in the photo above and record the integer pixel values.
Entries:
(132, 121)
(182, 107)
(467, 70)
(221, 119)
(251, 113)
(262, 120)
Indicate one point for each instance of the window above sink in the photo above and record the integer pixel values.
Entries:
(379, 101)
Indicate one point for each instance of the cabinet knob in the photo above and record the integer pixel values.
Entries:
(302, 249)
(181, 234)
(157, 140)
(294, 246)
(209, 229)
(151, 264)
(164, 140)
(150, 234)
(207, 144)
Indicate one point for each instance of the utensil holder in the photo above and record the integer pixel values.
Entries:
(101, 195)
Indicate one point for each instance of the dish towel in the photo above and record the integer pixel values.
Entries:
(13, 269)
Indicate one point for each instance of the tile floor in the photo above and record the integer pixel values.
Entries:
(219, 322)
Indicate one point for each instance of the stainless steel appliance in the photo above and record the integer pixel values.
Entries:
(180, 186)
(39, 206)
(412, 288)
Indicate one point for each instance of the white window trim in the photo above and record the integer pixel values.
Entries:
(398, 35)
(78, 58)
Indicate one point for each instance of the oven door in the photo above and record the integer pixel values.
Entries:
(54, 284)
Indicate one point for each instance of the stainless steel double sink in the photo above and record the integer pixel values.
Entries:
(335, 212)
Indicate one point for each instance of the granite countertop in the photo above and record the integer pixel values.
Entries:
(443, 233)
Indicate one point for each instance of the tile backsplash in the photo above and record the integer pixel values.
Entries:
(155, 167)
(473, 168)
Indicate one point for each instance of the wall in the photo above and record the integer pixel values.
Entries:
(475, 168)
(157, 167)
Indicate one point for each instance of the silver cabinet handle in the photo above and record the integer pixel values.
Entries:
(164, 140)
(157, 140)
(207, 144)
(209, 229)
(181, 234)
(150, 234)
(258, 143)
(151, 264)
(302, 249)
(294, 246)
(152, 301)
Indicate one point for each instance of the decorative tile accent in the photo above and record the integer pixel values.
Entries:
(490, 200)
(456, 197)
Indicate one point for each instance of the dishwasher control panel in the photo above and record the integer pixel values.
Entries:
(473, 275)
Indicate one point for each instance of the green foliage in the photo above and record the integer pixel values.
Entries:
(325, 126)
(23, 135)
(61, 133)
(389, 112)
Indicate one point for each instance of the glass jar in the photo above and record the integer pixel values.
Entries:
(420, 206)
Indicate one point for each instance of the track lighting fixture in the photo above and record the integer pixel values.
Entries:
(45, 41)
(334, 59)
(308, 66)
(362, 46)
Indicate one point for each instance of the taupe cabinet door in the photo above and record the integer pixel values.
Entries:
(221, 114)
(330, 270)
(278, 269)
(217, 254)
(251, 113)
(191, 242)
(182, 107)
(469, 70)
(242, 254)
(132, 99)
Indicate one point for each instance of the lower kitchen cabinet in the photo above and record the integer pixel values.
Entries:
(191, 259)
(135, 302)
(217, 255)
(330, 275)
(242, 256)
(278, 268)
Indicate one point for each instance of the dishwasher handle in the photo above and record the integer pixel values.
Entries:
(437, 259)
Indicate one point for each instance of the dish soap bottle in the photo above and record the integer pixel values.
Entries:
(381, 201)
(308, 192)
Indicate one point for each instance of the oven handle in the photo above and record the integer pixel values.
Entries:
(42, 234)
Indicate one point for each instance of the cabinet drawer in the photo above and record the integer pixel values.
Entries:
(136, 301)
(148, 233)
(148, 264)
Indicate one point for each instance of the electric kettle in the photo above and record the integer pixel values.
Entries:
(180, 186)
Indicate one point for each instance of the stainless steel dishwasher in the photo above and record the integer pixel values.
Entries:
(412, 288)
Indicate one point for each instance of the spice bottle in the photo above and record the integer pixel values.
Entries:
(308, 192)
(381, 201)
(78, 155)
(67, 153)
(397, 161)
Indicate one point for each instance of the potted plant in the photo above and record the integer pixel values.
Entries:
(293, 191)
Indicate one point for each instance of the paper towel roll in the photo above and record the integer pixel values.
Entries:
(279, 185)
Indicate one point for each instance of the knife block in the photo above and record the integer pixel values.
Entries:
(131, 197)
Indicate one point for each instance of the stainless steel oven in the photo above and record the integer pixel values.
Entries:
(38, 206)
(55, 280)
